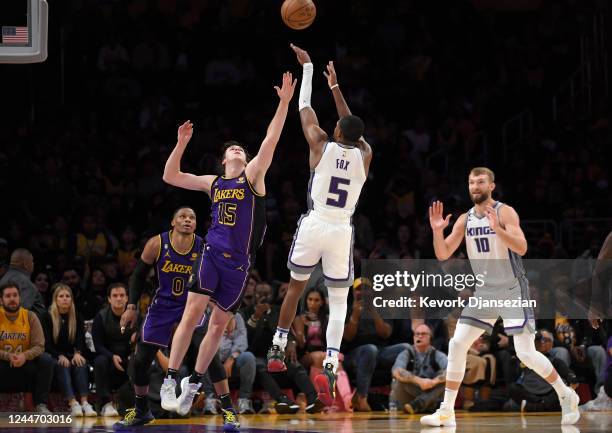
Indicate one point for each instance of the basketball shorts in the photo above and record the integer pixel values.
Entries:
(516, 318)
(160, 321)
(331, 242)
(223, 276)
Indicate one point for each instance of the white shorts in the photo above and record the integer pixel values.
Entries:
(330, 242)
(516, 319)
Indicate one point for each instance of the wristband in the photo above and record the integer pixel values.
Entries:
(334, 86)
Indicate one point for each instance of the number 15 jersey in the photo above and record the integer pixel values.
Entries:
(336, 182)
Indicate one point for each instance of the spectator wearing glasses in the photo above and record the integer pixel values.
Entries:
(419, 374)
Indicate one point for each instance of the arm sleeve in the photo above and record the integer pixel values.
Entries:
(240, 342)
(137, 281)
(401, 361)
(306, 86)
(97, 334)
(37, 338)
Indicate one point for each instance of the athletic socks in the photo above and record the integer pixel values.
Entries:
(560, 387)
(142, 404)
(331, 358)
(280, 338)
(450, 395)
(226, 402)
(172, 374)
(195, 377)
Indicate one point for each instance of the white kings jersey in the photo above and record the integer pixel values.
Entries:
(336, 182)
(499, 266)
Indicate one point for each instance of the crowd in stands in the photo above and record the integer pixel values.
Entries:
(82, 187)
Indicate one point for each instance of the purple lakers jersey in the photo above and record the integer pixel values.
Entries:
(238, 216)
(174, 268)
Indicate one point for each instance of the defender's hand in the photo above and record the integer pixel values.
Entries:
(302, 55)
(332, 79)
(128, 319)
(185, 132)
(436, 219)
(285, 93)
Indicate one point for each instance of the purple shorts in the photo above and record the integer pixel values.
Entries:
(223, 277)
(160, 321)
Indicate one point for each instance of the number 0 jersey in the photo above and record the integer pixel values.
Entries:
(174, 268)
(336, 183)
(238, 216)
(490, 256)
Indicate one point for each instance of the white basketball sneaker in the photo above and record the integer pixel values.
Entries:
(444, 416)
(569, 408)
(168, 395)
(188, 393)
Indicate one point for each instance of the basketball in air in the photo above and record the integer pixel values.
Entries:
(298, 14)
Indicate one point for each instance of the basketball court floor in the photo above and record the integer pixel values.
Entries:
(343, 423)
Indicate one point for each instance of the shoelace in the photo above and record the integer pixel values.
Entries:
(130, 414)
(229, 416)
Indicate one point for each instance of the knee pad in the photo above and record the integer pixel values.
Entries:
(528, 355)
(145, 354)
(216, 372)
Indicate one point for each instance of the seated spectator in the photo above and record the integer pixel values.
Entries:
(237, 361)
(531, 392)
(419, 374)
(603, 401)
(86, 302)
(365, 342)
(90, 241)
(480, 371)
(309, 328)
(65, 342)
(581, 349)
(112, 348)
(42, 281)
(262, 319)
(22, 344)
(19, 272)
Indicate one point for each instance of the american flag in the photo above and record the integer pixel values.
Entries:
(14, 35)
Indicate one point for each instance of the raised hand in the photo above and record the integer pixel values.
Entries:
(185, 132)
(436, 218)
(332, 79)
(285, 93)
(492, 217)
(302, 55)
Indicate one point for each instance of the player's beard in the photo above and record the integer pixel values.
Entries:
(482, 197)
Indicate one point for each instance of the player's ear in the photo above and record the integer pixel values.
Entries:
(492, 186)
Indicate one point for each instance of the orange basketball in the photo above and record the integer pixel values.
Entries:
(298, 14)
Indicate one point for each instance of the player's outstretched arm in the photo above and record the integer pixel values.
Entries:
(444, 248)
(315, 136)
(508, 228)
(172, 171)
(258, 166)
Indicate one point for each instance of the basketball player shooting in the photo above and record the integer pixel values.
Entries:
(495, 244)
(237, 230)
(339, 168)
